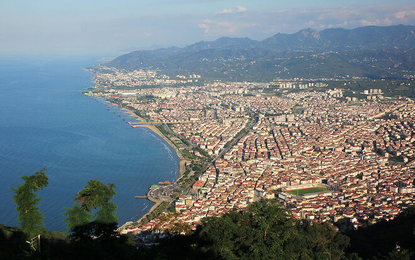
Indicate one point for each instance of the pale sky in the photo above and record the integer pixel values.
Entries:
(112, 26)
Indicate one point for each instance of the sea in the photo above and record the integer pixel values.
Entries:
(46, 123)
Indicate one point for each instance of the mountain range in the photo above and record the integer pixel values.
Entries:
(370, 52)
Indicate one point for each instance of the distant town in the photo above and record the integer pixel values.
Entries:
(327, 156)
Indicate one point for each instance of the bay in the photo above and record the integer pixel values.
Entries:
(46, 123)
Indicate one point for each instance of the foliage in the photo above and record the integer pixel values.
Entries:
(95, 194)
(236, 137)
(382, 239)
(297, 109)
(188, 154)
(81, 219)
(396, 254)
(57, 246)
(13, 243)
(146, 97)
(162, 130)
(201, 151)
(263, 231)
(162, 207)
(169, 223)
(78, 218)
(389, 116)
(27, 201)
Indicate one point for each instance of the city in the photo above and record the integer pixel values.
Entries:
(360, 152)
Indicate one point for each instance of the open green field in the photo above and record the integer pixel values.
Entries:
(306, 191)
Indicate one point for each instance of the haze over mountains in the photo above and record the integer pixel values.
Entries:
(369, 52)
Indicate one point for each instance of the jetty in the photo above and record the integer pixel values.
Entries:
(140, 197)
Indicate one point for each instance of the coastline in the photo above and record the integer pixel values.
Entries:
(182, 162)
(144, 123)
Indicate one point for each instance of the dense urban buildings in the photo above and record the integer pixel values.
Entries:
(354, 156)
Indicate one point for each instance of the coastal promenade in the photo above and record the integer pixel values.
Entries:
(144, 123)
(182, 168)
(141, 122)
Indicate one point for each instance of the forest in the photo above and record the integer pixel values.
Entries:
(369, 52)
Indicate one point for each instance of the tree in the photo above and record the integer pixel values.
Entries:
(27, 202)
(260, 232)
(93, 214)
(265, 230)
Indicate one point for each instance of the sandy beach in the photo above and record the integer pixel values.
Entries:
(141, 122)
(144, 123)
(182, 163)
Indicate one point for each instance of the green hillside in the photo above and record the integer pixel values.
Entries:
(369, 52)
(264, 231)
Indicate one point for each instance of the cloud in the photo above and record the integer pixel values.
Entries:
(239, 9)
(118, 31)
(119, 35)
(405, 14)
(368, 23)
(226, 11)
(388, 21)
(219, 27)
(204, 26)
(292, 20)
(262, 24)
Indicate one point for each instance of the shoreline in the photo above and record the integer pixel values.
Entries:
(144, 123)
(182, 160)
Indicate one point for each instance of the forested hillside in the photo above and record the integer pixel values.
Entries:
(369, 52)
(264, 231)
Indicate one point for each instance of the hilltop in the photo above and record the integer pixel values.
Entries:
(370, 52)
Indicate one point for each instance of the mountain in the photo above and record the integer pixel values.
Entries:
(304, 40)
(223, 43)
(372, 52)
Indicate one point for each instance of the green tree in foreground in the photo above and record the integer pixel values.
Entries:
(27, 203)
(264, 231)
(93, 214)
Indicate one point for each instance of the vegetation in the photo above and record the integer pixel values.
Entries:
(161, 208)
(297, 109)
(236, 138)
(264, 231)
(389, 116)
(368, 52)
(82, 223)
(92, 223)
(27, 203)
(387, 239)
(146, 97)
(267, 231)
(162, 130)
(390, 87)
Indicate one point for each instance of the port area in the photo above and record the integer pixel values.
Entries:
(163, 192)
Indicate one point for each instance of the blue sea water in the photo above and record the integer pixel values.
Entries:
(46, 123)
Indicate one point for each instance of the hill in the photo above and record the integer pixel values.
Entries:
(264, 231)
(370, 52)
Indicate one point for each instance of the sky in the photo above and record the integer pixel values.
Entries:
(111, 27)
